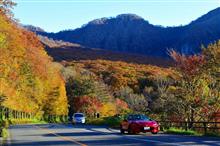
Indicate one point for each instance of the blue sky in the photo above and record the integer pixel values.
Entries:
(56, 15)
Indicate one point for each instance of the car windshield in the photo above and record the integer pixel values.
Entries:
(78, 115)
(138, 117)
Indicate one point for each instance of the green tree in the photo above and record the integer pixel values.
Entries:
(136, 102)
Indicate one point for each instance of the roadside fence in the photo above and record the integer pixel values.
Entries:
(202, 126)
(7, 114)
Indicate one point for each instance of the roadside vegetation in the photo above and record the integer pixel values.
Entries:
(4, 129)
(173, 130)
(112, 122)
(179, 131)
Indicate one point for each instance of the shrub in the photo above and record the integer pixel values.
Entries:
(4, 133)
(181, 131)
(3, 128)
(113, 121)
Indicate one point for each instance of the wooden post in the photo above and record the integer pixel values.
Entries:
(7, 113)
(205, 127)
(186, 126)
(0, 113)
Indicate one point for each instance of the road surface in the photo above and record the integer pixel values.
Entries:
(69, 135)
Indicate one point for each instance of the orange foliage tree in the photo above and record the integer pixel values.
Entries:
(29, 80)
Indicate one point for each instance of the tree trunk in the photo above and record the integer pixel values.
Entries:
(191, 118)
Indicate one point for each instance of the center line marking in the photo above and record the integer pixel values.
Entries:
(62, 137)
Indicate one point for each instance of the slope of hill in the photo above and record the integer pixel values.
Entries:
(131, 33)
(82, 53)
(61, 51)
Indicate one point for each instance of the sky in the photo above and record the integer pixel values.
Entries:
(57, 15)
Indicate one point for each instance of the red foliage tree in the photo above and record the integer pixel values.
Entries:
(121, 106)
(190, 66)
(87, 105)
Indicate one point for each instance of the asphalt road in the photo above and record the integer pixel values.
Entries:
(69, 135)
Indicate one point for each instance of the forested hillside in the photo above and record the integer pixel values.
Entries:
(30, 81)
(109, 87)
(189, 91)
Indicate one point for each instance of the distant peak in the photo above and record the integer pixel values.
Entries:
(129, 17)
(123, 17)
(98, 21)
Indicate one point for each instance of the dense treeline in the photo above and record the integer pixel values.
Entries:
(119, 85)
(29, 80)
(88, 94)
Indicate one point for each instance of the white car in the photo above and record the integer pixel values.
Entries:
(79, 118)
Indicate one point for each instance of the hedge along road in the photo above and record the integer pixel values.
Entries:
(88, 135)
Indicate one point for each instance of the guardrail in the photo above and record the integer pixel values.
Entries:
(7, 113)
(198, 126)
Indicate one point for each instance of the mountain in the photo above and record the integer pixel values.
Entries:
(132, 34)
(65, 51)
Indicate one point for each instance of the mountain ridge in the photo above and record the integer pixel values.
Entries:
(130, 33)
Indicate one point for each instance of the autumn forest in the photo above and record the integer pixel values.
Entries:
(31, 81)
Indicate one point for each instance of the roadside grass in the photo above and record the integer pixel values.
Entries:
(173, 130)
(36, 121)
(178, 131)
(26, 121)
(212, 134)
(108, 121)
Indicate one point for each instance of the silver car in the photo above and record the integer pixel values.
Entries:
(79, 118)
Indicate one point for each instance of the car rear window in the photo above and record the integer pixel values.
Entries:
(78, 115)
(138, 117)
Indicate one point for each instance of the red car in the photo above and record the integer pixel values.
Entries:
(137, 123)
